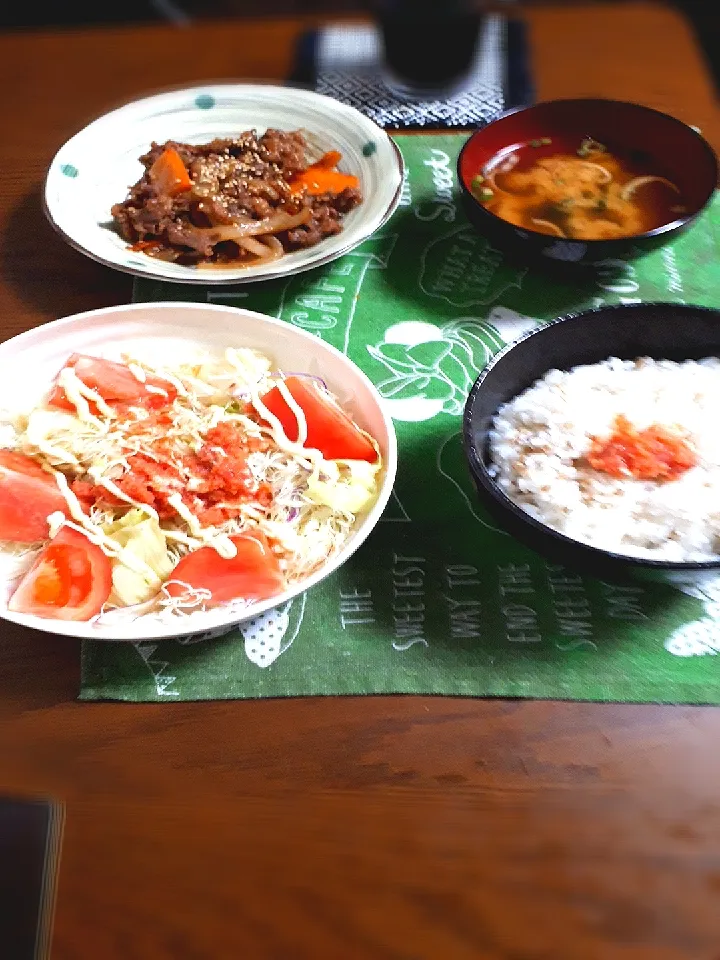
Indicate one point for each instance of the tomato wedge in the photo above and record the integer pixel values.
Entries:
(28, 495)
(70, 580)
(329, 429)
(253, 574)
(116, 384)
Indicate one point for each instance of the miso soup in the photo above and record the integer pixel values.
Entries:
(583, 191)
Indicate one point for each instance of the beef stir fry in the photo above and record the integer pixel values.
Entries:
(242, 201)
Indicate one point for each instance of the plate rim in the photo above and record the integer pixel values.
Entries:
(238, 277)
(66, 628)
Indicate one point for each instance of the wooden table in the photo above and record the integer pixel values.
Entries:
(387, 828)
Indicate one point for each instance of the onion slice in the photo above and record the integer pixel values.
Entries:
(607, 176)
(256, 247)
(554, 228)
(275, 245)
(264, 251)
(254, 228)
(632, 185)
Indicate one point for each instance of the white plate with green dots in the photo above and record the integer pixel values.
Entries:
(96, 167)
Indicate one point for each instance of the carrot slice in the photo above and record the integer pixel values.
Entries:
(169, 173)
(322, 177)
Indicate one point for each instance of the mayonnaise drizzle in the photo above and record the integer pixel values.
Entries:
(313, 457)
(95, 533)
(223, 544)
(137, 371)
(297, 410)
(79, 393)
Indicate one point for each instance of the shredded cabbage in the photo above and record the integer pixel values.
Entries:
(309, 508)
(348, 486)
(141, 537)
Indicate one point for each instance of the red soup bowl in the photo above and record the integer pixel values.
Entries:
(654, 141)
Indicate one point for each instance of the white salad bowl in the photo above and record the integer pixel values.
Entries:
(95, 168)
(167, 332)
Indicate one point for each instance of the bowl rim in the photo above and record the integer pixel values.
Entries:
(83, 630)
(670, 227)
(480, 472)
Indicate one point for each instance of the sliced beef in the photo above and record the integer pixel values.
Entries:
(234, 180)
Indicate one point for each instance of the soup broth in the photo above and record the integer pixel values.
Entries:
(583, 191)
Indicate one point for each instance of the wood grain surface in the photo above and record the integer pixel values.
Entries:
(399, 828)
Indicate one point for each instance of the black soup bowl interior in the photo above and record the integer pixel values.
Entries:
(661, 144)
(658, 330)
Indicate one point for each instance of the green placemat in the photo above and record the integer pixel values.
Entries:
(438, 600)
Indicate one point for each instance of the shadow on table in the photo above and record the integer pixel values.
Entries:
(37, 670)
(47, 274)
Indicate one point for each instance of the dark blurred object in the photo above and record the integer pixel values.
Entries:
(429, 45)
(705, 18)
(703, 14)
(76, 13)
(30, 835)
(345, 61)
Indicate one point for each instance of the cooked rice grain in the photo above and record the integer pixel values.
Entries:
(541, 438)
